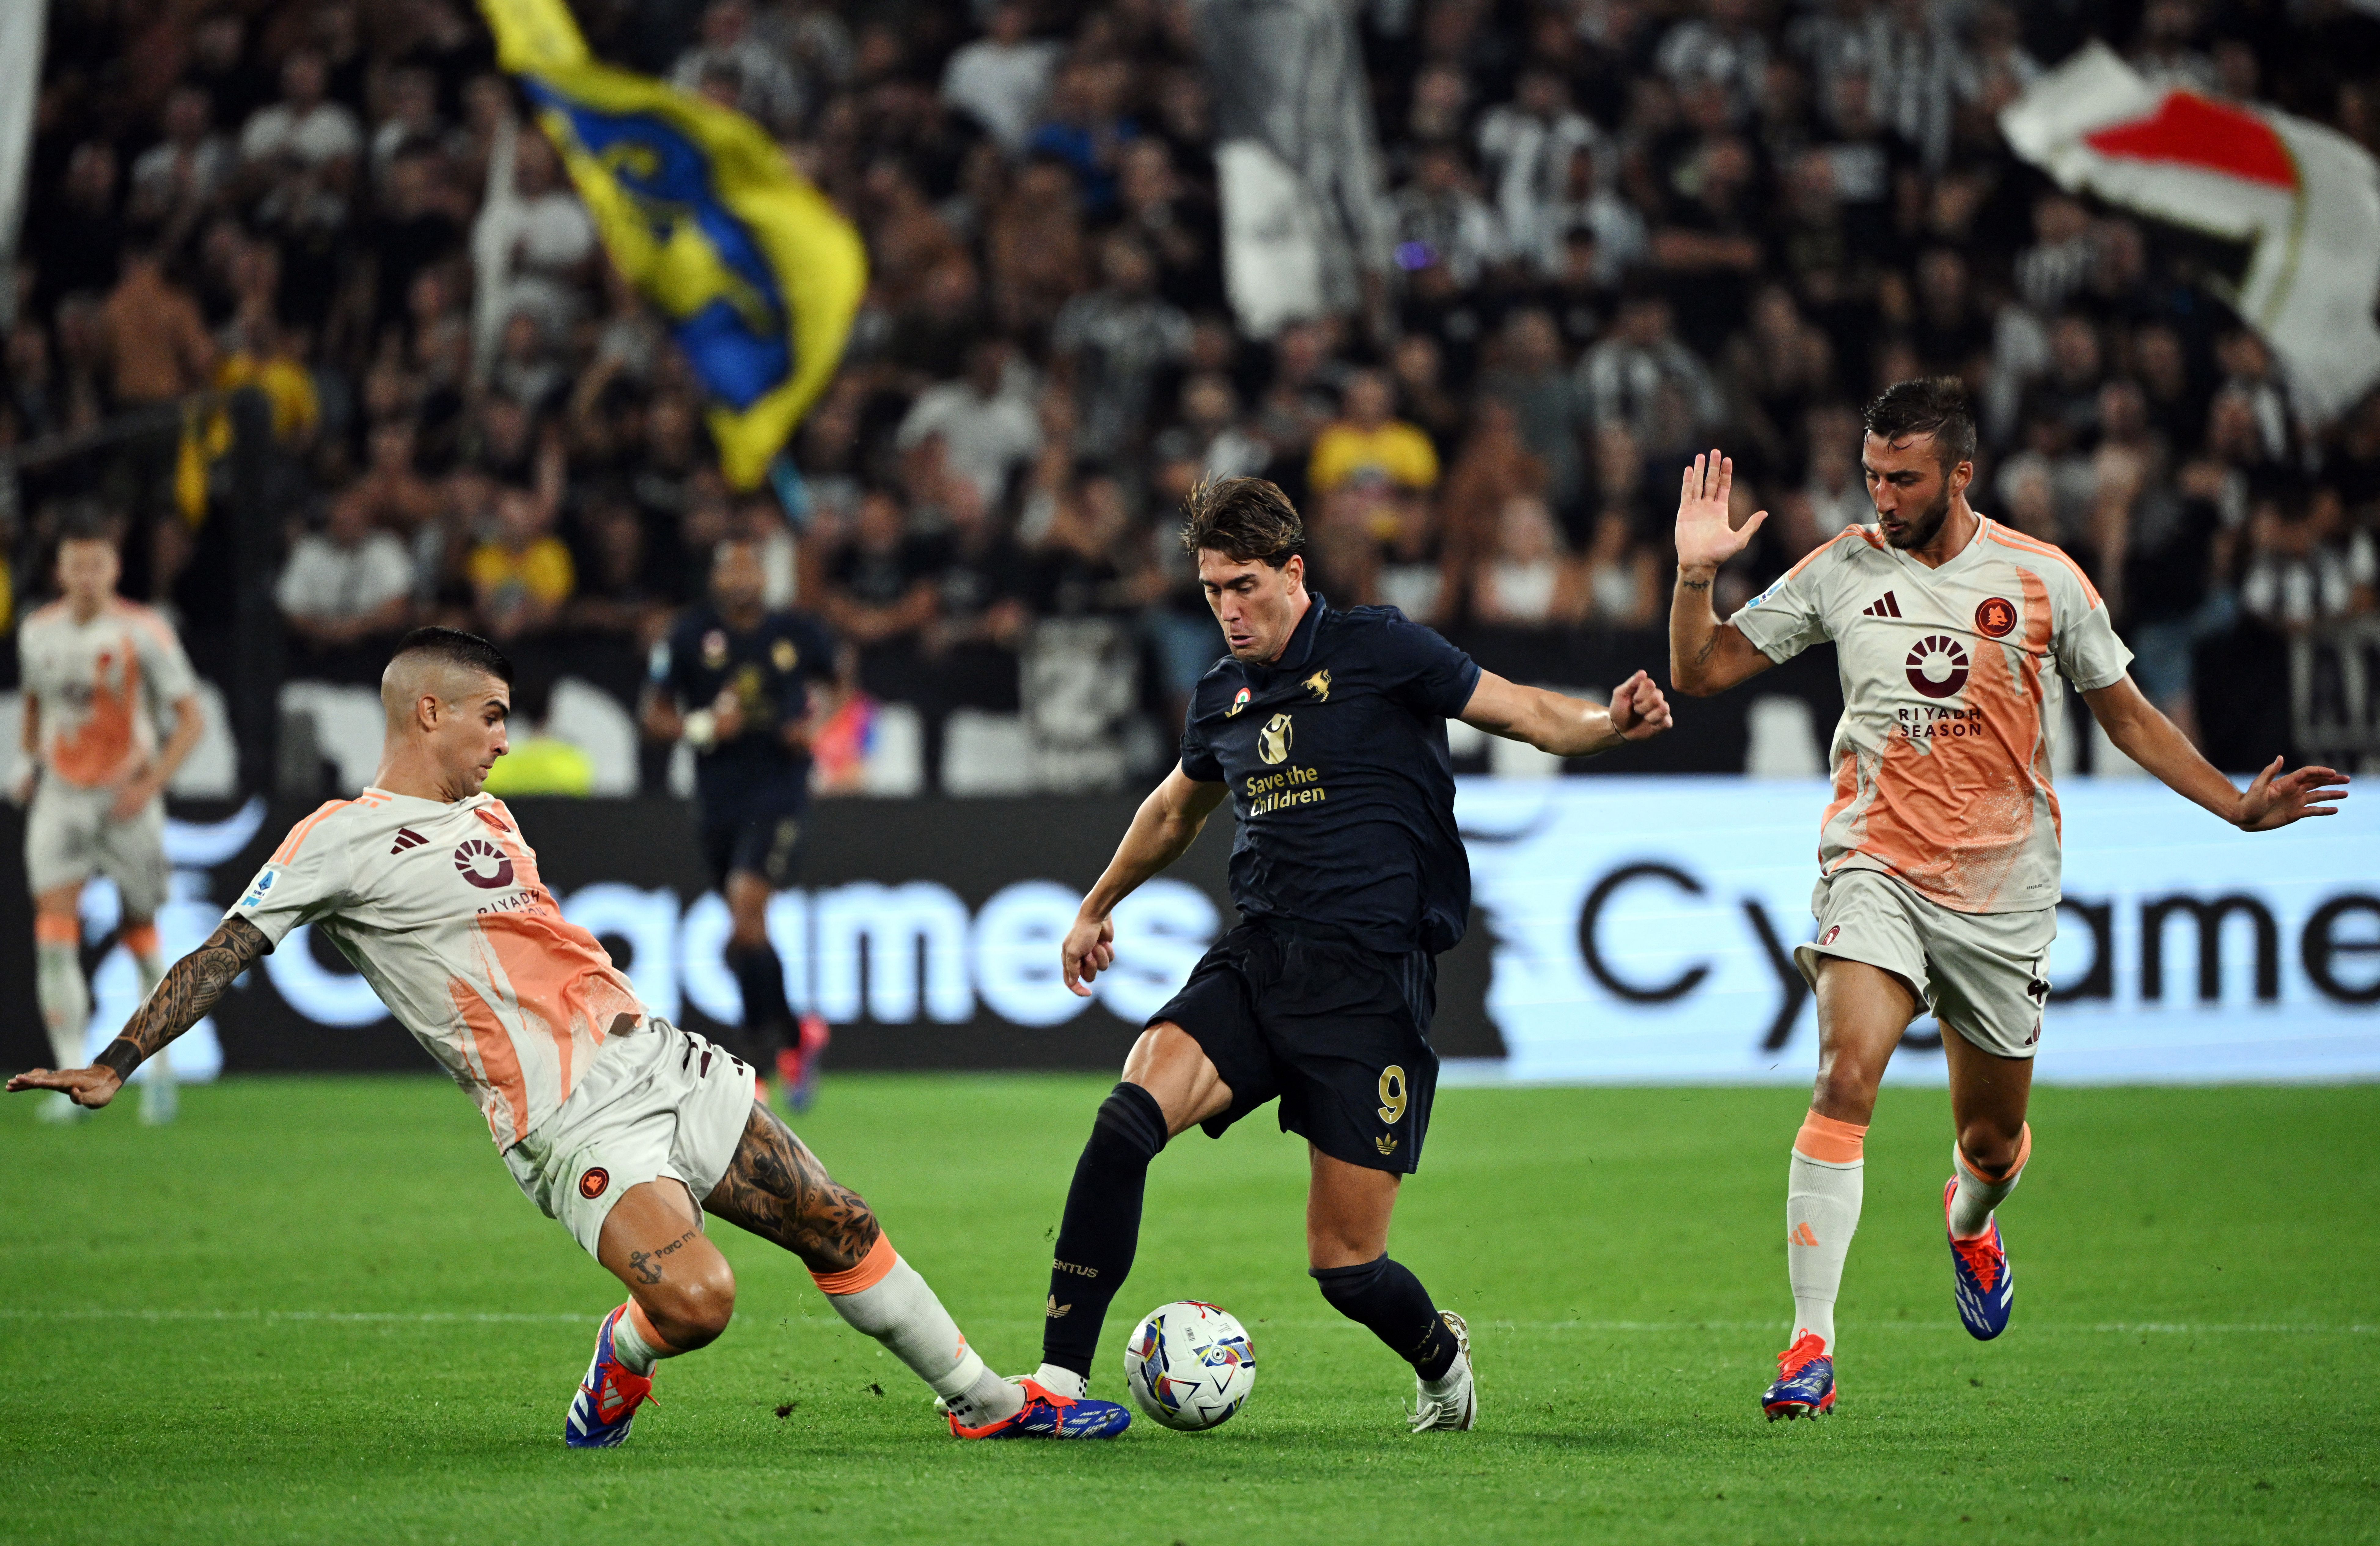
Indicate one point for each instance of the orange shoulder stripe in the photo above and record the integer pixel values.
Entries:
(2023, 544)
(298, 834)
(1819, 552)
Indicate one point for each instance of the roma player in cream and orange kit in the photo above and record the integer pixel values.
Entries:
(1939, 855)
(99, 674)
(615, 1123)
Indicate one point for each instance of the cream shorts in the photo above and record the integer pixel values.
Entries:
(1983, 975)
(660, 1102)
(69, 835)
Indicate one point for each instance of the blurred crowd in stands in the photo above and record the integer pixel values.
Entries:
(1625, 230)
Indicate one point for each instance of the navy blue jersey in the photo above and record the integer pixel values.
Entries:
(769, 669)
(1335, 757)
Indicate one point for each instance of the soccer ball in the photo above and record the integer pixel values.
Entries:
(1189, 1365)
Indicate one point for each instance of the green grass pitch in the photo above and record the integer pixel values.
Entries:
(317, 1310)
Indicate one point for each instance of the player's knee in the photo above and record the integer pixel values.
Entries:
(693, 1310)
(1845, 1085)
(1990, 1146)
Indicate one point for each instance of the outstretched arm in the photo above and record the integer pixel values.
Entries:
(2149, 738)
(190, 990)
(1567, 726)
(1706, 655)
(1161, 831)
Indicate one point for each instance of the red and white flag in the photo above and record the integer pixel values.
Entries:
(2306, 197)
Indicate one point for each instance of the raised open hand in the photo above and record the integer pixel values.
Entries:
(1704, 539)
(2274, 802)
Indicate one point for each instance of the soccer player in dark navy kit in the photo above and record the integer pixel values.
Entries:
(1328, 731)
(733, 681)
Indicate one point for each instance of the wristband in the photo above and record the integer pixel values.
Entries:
(120, 1058)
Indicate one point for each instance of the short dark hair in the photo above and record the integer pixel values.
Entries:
(87, 520)
(1246, 519)
(458, 648)
(1933, 406)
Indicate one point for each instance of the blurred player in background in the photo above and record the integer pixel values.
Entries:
(1939, 856)
(1328, 731)
(615, 1123)
(734, 680)
(100, 672)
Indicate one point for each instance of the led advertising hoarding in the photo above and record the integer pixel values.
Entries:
(1623, 929)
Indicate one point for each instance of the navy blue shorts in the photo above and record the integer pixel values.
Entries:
(768, 846)
(1338, 1033)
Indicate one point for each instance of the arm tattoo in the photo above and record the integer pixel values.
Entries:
(1685, 584)
(776, 1188)
(189, 990)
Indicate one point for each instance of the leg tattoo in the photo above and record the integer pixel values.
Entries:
(777, 1188)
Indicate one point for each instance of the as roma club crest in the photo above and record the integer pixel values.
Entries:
(592, 1182)
(1995, 618)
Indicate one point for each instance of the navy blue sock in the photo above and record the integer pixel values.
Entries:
(1101, 1229)
(760, 977)
(1384, 1296)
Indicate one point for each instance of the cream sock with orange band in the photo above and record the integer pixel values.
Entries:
(884, 1297)
(1979, 1192)
(1822, 1209)
(636, 1344)
(59, 987)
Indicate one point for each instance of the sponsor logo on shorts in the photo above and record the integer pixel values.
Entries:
(1386, 1143)
(592, 1182)
(1995, 618)
(1056, 1309)
(1938, 666)
(483, 864)
(1832, 933)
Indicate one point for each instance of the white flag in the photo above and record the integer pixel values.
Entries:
(2306, 197)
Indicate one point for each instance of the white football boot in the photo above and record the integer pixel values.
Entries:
(1450, 1402)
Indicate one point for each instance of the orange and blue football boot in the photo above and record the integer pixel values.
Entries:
(1805, 1381)
(1047, 1415)
(1982, 1284)
(797, 1065)
(607, 1399)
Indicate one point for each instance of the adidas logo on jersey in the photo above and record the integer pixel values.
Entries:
(407, 838)
(1883, 606)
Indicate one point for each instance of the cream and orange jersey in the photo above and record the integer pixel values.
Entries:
(1941, 760)
(101, 685)
(440, 907)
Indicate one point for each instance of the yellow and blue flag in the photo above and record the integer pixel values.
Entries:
(756, 272)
